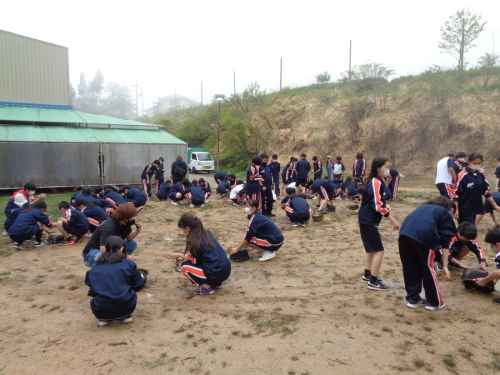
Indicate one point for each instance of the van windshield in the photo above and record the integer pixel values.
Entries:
(204, 156)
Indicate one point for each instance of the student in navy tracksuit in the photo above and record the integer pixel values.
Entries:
(160, 174)
(275, 173)
(497, 176)
(197, 194)
(267, 188)
(297, 210)
(87, 194)
(95, 214)
(221, 176)
(13, 216)
(113, 284)
(205, 184)
(178, 191)
(204, 261)
(134, 196)
(470, 187)
(373, 207)
(429, 225)
(488, 209)
(23, 197)
(325, 190)
(351, 187)
(148, 172)
(73, 222)
(337, 188)
(164, 190)
(492, 238)
(394, 183)
(224, 187)
(302, 169)
(110, 201)
(461, 160)
(29, 223)
(285, 175)
(262, 234)
(359, 166)
(255, 180)
(317, 167)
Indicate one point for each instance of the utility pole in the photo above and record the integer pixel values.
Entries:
(142, 96)
(281, 72)
(350, 51)
(136, 99)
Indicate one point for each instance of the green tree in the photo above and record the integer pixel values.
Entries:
(459, 33)
(486, 65)
(324, 77)
(368, 76)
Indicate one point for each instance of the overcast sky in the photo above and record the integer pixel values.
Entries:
(175, 45)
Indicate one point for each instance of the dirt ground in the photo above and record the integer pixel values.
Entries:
(305, 312)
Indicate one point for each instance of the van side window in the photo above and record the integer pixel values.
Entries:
(193, 156)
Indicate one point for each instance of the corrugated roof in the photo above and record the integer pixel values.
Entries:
(25, 133)
(56, 115)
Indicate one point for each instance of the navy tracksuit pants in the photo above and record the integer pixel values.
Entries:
(418, 268)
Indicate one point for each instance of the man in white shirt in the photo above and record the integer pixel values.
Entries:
(445, 174)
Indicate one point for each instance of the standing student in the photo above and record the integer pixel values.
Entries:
(497, 176)
(285, 175)
(339, 169)
(302, 169)
(113, 284)
(317, 167)
(134, 196)
(74, 222)
(275, 173)
(146, 175)
(197, 194)
(179, 170)
(262, 234)
(359, 166)
(329, 166)
(445, 174)
(160, 174)
(120, 224)
(162, 193)
(393, 183)
(373, 207)
(29, 223)
(297, 210)
(255, 180)
(267, 187)
(461, 160)
(470, 187)
(95, 214)
(429, 225)
(204, 261)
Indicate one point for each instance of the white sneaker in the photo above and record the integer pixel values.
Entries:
(315, 197)
(103, 323)
(180, 202)
(128, 320)
(434, 308)
(191, 205)
(202, 205)
(88, 235)
(19, 247)
(175, 203)
(40, 244)
(268, 255)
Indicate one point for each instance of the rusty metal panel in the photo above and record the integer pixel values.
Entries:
(33, 71)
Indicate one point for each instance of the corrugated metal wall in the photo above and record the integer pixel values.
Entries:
(51, 164)
(33, 71)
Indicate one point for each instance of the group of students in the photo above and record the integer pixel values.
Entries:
(178, 173)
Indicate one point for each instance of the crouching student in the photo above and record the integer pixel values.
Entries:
(178, 192)
(113, 284)
(262, 234)
(204, 183)
(95, 214)
(429, 225)
(223, 187)
(23, 197)
(74, 222)
(164, 190)
(29, 223)
(297, 210)
(197, 194)
(204, 261)
(111, 200)
(325, 190)
(493, 239)
(134, 196)
(337, 188)
(238, 193)
(351, 188)
(120, 224)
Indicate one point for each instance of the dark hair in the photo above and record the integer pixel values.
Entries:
(336, 179)
(462, 154)
(161, 159)
(440, 201)
(197, 236)
(86, 190)
(257, 160)
(194, 182)
(498, 159)
(110, 187)
(179, 157)
(339, 158)
(467, 230)
(29, 186)
(36, 204)
(492, 236)
(253, 203)
(475, 155)
(112, 244)
(80, 202)
(264, 156)
(185, 183)
(325, 177)
(348, 179)
(157, 162)
(357, 179)
(361, 189)
(315, 158)
(123, 213)
(64, 204)
(292, 157)
(275, 156)
(127, 187)
(239, 182)
(377, 162)
(359, 155)
(295, 159)
(303, 155)
(232, 176)
(166, 182)
(200, 181)
(226, 178)
(107, 191)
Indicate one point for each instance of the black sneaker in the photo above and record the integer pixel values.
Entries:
(80, 238)
(377, 286)
(66, 242)
(414, 304)
(365, 279)
(240, 256)
(496, 301)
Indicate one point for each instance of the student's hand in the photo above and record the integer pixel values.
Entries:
(234, 250)
(446, 274)
(388, 208)
(177, 256)
(498, 209)
(481, 281)
(482, 265)
(264, 188)
(456, 214)
(42, 196)
(138, 227)
(130, 257)
(395, 226)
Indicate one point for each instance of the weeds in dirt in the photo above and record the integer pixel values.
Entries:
(53, 308)
(280, 324)
(449, 360)
(465, 352)
(419, 363)
(73, 287)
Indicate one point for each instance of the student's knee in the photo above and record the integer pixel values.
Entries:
(178, 195)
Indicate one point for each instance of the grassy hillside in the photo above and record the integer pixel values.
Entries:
(414, 120)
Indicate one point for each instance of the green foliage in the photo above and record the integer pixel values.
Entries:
(486, 65)
(368, 76)
(324, 77)
(459, 33)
